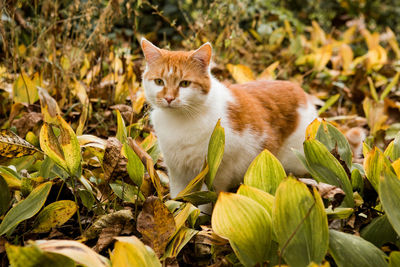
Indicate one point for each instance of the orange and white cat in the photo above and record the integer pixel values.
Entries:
(187, 101)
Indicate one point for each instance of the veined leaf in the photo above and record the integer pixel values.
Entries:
(265, 172)
(324, 167)
(393, 149)
(78, 252)
(24, 90)
(389, 193)
(199, 197)
(333, 139)
(33, 256)
(379, 231)
(215, 153)
(65, 151)
(13, 146)
(130, 251)
(362, 252)
(300, 223)
(178, 242)
(26, 208)
(54, 215)
(247, 226)
(194, 184)
(135, 166)
(12, 178)
(263, 198)
(121, 130)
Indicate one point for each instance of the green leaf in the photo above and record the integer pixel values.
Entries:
(389, 193)
(324, 167)
(390, 86)
(357, 181)
(247, 226)
(122, 135)
(216, 148)
(32, 256)
(195, 184)
(332, 138)
(263, 198)
(332, 100)
(5, 196)
(339, 213)
(393, 149)
(373, 165)
(349, 250)
(178, 242)
(379, 231)
(265, 172)
(126, 192)
(300, 223)
(130, 251)
(87, 198)
(199, 197)
(54, 215)
(26, 208)
(135, 166)
(12, 178)
(394, 259)
(65, 150)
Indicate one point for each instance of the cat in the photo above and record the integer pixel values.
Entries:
(187, 102)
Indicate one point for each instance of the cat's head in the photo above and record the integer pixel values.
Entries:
(176, 80)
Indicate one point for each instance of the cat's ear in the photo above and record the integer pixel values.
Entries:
(150, 51)
(203, 54)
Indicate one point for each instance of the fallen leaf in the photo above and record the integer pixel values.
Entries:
(13, 146)
(156, 223)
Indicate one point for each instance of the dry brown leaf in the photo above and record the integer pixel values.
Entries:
(330, 192)
(27, 122)
(156, 223)
(112, 156)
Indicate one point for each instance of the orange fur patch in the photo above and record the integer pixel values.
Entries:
(176, 66)
(267, 107)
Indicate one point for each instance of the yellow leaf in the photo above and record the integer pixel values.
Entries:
(49, 107)
(396, 167)
(312, 129)
(241, 73)
(269, 72)
(346, 53)
(13, 146)
(375, 114)
(348, 35)
(54, 215)
(322, 57)
(318, 36)
(393, 42)
(24, 90)
(139, 102)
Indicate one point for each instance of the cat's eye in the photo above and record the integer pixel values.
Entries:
(159, 82)
(184, 83)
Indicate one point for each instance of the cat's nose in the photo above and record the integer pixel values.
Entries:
(169, 99)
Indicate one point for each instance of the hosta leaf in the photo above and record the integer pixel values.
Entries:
(216, 148)
(362, 252)
(300, 223)
(374, 164)
(339, 213)
(200, 197)
(121, 130)
(379, 231)
(265, 172)
(130, 251)
(126, 192)
(324, 167)
(49, 107)
(33, 256)
(12, 178)
(332, 138)
(393, 149)
(78, 252)
(195, 183)
(263, 198)
(65, 150)
(13, 146)
(5, 196)
(247, 226)
(394, 259)
(24, 90)
(54, 215)
(178, 242)
(26, 208)
(135, 166)
(389, 193)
